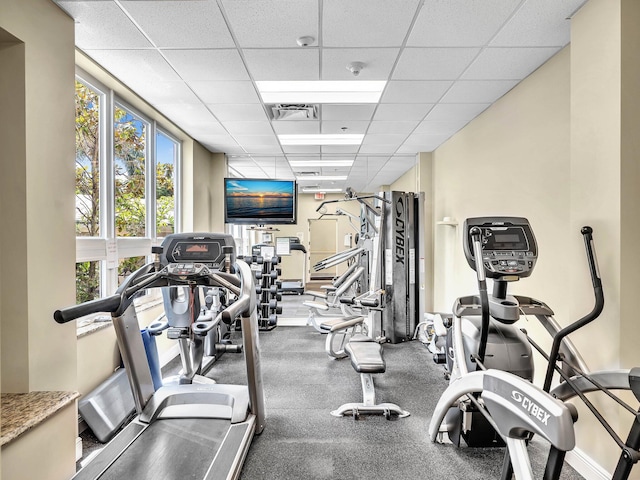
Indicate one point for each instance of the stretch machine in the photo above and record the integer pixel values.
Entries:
(198, 431)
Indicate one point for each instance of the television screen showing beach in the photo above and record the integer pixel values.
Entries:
(259, 199)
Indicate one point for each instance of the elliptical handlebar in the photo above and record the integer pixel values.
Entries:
(587, 234)
(476, 237)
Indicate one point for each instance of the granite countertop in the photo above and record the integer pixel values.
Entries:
(23, 411)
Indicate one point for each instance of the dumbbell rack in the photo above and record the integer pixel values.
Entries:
(268, 290)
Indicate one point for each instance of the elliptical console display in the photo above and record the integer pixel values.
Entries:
(509, 247)
(203, 248)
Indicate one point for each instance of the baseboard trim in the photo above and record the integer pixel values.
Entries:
(586, 466)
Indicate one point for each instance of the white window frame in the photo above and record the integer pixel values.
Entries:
(107, 248)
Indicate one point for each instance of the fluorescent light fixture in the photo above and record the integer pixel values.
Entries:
(320, 163)
(363, 91)
(322, 139)
(315, 178)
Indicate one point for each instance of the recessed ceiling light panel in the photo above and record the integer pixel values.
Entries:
(366, 91)
(322, 139)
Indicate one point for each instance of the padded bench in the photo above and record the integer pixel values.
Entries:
(366, 359)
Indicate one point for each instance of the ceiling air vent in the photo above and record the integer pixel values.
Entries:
(282, 111)
(308, 174)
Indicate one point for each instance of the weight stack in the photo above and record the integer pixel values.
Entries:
(399, 234)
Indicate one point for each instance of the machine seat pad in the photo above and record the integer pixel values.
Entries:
(316, 294)
(316, 305)
(340, 323)
(365, 355)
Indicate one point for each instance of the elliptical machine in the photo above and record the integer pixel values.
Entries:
(482, 334)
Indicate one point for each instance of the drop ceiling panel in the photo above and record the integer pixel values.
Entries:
(339, 149)
(478, 91)
(248, 128)
(433, 63)
(272, 23)
(422, 143)
(456, 111)
(460, 23)
(378, 63)
(353, 126)
(135, 66)
(415, 91)
(374, 148)
(366, 23)
(289, 127)
(284, 64)
(256, 141)
(103, 25)
(389, 127)
(384, 139)
(207, 65)
(539, 23)
(440, 127)
(165, 92)
(225, 91)
(347, 112)
(239, 112)
(508, 63)
(405, 112)
(181, 24)
(192, 118)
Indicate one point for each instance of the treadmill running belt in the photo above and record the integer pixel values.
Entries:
(157, 455)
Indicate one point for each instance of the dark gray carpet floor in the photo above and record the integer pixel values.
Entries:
(302, 440)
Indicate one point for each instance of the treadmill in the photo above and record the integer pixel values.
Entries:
(296, 286)
(196, 431)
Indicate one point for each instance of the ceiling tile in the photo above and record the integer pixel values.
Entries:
(384, 139)
(389, 127)
(373, 148)
(296, 126)
(195, 119)
(478, 91)
(248, 128)
(456, 111)
(103, 25)
(135, 66)
(422, 143)
(272, 23)
(225, 91)
(239, 112)
(356, 126)
(347, 112)
(378, 63)
(284, 64)
(366, 23)
(164, 92)
(221, 140)
(415, 91)
(440, 127)
(433, 63)
(402, 111)
(338, 149)
(251, 140)
(459, 23)
(207, 64)
(541, 23)
(508, 63)
(181, 24)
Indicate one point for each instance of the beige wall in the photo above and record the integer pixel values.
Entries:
(307, 205)
(39, 248)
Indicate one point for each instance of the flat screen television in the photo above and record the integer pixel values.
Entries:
(260, 201)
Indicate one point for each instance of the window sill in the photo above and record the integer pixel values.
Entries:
(94, 323)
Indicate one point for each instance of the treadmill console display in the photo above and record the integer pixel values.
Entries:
(509, 247)
(205, 248)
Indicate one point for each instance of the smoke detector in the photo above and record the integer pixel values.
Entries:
(305, 41)
(355, 68)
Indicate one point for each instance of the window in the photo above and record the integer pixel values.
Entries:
(122, 206)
